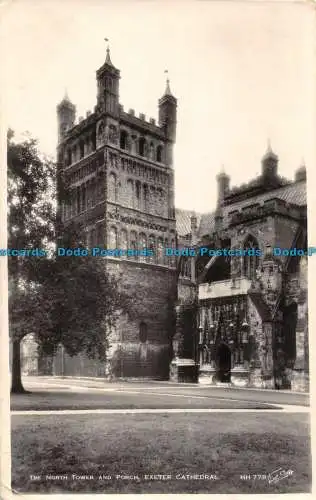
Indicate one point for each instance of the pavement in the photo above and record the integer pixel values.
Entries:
(83, 394)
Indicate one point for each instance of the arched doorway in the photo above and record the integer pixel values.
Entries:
(223, 363)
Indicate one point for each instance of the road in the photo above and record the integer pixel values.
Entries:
(82, 394)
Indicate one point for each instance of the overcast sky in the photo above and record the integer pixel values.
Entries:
(243, 73)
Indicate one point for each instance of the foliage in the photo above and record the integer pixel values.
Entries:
(71, 300)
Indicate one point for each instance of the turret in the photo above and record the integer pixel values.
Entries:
(223, 181)
(269, 164)
(168, 113)
(66, 116)
(168, 120)
(108, 87)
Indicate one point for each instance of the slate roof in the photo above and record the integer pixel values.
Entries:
(183, 220)
(294, 193)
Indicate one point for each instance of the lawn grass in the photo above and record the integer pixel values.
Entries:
(226, 445)
(63, 399)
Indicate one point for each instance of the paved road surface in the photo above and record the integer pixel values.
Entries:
(56, 393)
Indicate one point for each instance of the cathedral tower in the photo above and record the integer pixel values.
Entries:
(119, 167)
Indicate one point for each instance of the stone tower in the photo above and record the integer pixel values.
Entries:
(120, 170)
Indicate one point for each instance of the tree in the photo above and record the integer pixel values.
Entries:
(79, 305)
(31, 224)
(68, 300)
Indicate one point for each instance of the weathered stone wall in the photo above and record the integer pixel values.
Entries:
(296, 290)
(152, 290)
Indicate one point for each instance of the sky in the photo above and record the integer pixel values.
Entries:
(243, 74)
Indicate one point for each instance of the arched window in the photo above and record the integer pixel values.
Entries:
(250, 262)
(112, 240)
(124, 242)
(138, 194)
(159, 154)
(68, 157)
(133, 243)
(112, 187)
(145, 197)
(143, 332)
(87, 146)
(100, 187)
(172, 259)
(73, 202)
(100, 234)
(93, 191)
(141, 146)
(152, 247)
(123, 139)
(130, 193)
(74, 154)
(160, 256)
(142, 246)
(81, 148)
(78, 208)
(83, 197)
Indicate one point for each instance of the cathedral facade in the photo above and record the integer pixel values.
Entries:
(208, 317)
(246, 290)
(119, 167)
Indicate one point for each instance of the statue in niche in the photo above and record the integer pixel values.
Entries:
(106, 133)
(113, 135)
(133, 144)
(151, 151)
(101, 136)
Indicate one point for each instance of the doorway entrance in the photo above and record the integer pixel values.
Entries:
(223, 363)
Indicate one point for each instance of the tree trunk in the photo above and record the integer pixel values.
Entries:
(16, 385)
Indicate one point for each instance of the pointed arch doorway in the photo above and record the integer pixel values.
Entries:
(223, 363)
